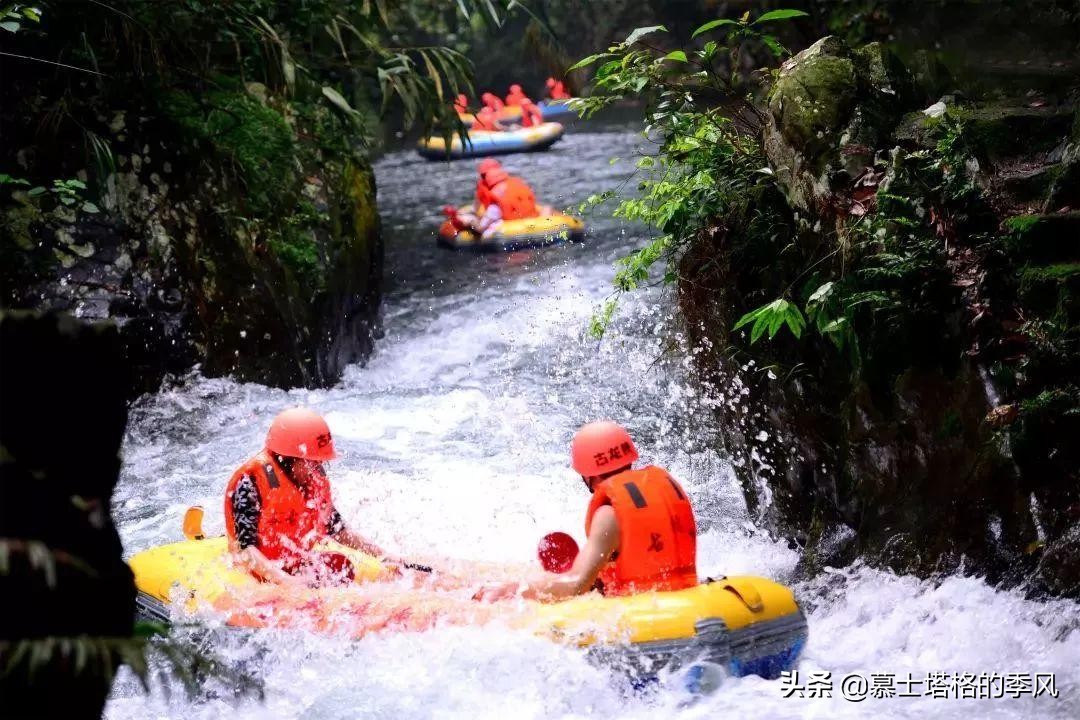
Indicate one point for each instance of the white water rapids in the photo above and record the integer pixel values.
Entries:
(453, 442)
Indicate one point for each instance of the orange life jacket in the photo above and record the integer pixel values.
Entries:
(289, 523)
(485, 120)
(483, 196)
(558, 91)
(657, 533)
(514, 99)
(514, 198)
(531, 115)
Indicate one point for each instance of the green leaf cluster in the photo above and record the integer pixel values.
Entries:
(700, 109)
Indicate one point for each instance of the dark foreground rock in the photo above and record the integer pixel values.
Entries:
(67, 593)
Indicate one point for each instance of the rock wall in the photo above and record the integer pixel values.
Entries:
(234, 230)
(937, 437)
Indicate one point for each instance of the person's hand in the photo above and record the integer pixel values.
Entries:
(392, 565)
(496, 592)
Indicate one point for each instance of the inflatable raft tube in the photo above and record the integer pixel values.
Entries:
(556, 110)
(748, 625)
(482, 143)
(515, 234)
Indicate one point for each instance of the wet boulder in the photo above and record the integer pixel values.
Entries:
(829, 110)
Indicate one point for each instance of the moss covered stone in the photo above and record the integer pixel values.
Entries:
(814, 96)
(245, 131)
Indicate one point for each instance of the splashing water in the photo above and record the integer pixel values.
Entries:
(453, 442)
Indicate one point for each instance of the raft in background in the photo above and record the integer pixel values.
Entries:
(483, 143)
(555, 110)
(550, 111)
(553, 229)
(745, 625)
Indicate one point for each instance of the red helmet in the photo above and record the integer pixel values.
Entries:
(515, 90)
(300, 433)
(495, 176)
(488, 164)
(601, 447)
(550, 82)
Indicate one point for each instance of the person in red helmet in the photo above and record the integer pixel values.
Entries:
(483, 195)
(531, 114)
(278, 506)
(556, 89)
(516, 96)
(491, 100)
(640, 528)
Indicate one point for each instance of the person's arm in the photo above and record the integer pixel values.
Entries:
(492, 215)
(602, 543)
(337, 529)
(253, 559)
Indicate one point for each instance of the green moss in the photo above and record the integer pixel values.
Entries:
(1021, 223)
(1052, 290)
(814, 96)
(253, 136)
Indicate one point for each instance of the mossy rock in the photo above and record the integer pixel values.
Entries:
(814, 96)
(245, 131)
(1006, 130)
(1052, 290)
(1044, 238)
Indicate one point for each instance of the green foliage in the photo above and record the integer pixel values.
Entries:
(253, 136)
(771, 317)
(710, 164)
(13, 16)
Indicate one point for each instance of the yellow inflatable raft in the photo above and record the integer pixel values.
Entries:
(514, 234)
(483, 143)
(748, 625)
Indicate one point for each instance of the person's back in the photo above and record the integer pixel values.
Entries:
(516, 96)
(514, 197)
(657, 532)
(531, 115)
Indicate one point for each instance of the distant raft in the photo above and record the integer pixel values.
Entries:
(555, 110)
(551, 111)
(482, 143)
(552, 229)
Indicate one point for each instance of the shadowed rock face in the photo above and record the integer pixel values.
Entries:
(62, 388)
(195, 270)
(953, 444)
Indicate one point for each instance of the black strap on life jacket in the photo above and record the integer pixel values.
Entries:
(635, 494)
(271, 476)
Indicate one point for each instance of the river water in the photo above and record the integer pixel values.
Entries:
(453, 442)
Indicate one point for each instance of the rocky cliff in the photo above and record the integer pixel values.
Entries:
(930, 425)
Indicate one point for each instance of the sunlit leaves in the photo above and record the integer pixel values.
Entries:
(641, 32)
(770, 318)
(775, 15)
